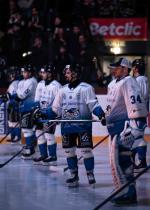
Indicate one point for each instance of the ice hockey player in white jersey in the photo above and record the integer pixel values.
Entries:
(26, 93)
(46, 91)
(12, 106)
(138, 69)
(126, 108)
(76, 101)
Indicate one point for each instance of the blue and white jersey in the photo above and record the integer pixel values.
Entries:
(38, 92)
(26, 92)
(75, 104)
(143, 83)
(110, 85)
(26, 89)
(124, 101)
(12, 89)
(45, 94)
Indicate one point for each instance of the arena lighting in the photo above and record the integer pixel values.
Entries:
(26, 53)
(115, 50)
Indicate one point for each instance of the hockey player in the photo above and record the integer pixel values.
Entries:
(76, 101)
(126, 108)
(13, 107)
(46, 91)
(138, 68)
(25, 94)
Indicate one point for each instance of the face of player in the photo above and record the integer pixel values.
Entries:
(26, 74)
(126, 71)
(11, 77)
(46, 75)
(70, 76)
(118, 72)
(112, 71)
(134, 71)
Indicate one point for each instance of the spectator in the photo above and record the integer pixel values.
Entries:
(62, 59)
(15, 37)
(39, 56)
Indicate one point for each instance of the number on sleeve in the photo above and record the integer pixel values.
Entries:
(135, 99)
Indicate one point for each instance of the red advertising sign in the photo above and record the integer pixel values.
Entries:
(119, 28)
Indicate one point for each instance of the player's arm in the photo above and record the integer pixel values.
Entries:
(94, 106)
(38, 92)
(134, 101)
(144, 88)
(27, 91)
(50, 112)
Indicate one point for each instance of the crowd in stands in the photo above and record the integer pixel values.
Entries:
(42, 31)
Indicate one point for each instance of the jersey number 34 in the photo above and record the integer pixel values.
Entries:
(135, 99)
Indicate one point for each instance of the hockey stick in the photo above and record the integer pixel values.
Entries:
(54, 123)
(15, 155)
(98, 143)
(121, 188)
(8, 134)
(76, 121)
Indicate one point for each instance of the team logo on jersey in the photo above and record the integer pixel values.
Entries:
(71, 114)
(85, 138)
(27, 91)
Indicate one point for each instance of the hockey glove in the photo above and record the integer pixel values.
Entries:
(103, 119)
(38, 115)
(126, 138)
(100, 114)
(138, 126)
(5, 97)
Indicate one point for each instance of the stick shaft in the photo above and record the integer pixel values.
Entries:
(72, 121)
(15, 155)
(8, 133)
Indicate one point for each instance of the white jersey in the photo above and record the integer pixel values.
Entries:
(110, 85)
(74, 104)
(45, 94)
(143, 83)
(12, 89)
(38, 92)
(124, 101)
(26, 89)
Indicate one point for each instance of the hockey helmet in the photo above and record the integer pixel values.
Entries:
(28, 68)
(50, 68)
(13, 73)
(76, 68)
(140, 65)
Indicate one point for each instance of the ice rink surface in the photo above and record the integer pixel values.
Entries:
(24, 186)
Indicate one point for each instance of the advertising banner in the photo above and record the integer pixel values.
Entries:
(119, 28)
(3, 119)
